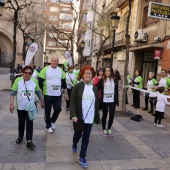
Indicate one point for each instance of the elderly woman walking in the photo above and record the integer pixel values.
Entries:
(84, 111)
(24, 88)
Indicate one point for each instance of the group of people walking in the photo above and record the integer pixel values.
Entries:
(85, 94)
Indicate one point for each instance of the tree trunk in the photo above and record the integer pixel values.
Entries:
(14, 43)
(126, 61)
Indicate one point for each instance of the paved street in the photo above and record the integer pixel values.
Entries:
(135, 146)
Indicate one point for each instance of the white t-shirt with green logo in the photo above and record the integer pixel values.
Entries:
(109, 90)
(52, 80)
(88, 99)
(19, 87)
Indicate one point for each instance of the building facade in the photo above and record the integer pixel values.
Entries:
(7, 33)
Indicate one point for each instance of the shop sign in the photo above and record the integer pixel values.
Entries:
(157, 54)
(159, 10)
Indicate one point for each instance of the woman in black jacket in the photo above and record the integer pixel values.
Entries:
(109, 99)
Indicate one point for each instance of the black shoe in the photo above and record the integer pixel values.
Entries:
(132, 105)
(136, 107)
(145, 108)
(19, 140)
(30, 145)
(153, 114)
(151, 111)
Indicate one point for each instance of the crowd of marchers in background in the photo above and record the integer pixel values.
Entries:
(86, 92)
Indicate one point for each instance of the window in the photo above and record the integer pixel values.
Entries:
(65, 10)
(65, 25)
(52, 35)
(67, 17)
(84, 17)
(66, 1)
(53, 18)
(64, 42)
(53, 9)
(51, 43)
(54, 1)
(148, 20)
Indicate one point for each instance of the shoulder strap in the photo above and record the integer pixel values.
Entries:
(89, 109)
(26, 91)
(70, 78)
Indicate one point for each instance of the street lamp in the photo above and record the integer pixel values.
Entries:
(115, 21)
(82, 47)
(2, 4)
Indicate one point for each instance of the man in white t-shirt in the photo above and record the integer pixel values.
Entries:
(52, 81)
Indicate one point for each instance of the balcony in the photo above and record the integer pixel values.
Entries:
(111, 8)
(121, 3)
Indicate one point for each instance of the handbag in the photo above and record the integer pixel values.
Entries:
(30, 107)
(79, 126)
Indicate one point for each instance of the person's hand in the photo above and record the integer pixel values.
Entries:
(74, 119)
(66, 97)
(11, 108)
(42, 104)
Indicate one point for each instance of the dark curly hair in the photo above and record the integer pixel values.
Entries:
(84, 68)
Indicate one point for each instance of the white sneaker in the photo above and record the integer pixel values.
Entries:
(50, 130)
(53, 125)
(160, 125)
(154, 124)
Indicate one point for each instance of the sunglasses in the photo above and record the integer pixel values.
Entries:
(28, 73)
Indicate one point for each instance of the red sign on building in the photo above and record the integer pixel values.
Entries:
(157, 53)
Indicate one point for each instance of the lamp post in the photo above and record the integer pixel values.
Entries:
(115, 21)
(82, 47)
(2, 4)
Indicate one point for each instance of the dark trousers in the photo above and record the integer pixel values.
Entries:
(136, 98)
(68, 101)
(158, 117)
(105, 107)
(22, 119)
(50, 101)
(151, 101)
(85, 139)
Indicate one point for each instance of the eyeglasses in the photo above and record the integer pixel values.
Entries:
(28, 73)
(88, 73)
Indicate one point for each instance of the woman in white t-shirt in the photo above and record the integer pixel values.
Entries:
(70, 81)
(25, 88)
(109, 91)
(160, 106)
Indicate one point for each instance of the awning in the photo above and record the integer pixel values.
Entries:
(146, 47)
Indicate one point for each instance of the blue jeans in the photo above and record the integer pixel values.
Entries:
(85, 139)
(50, 101)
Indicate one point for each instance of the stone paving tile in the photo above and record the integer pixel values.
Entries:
(127, 164)
(12, 153)
(160, 163)
(60, 154)
(34, 166)
(63, 166)
(112, 149)
(144, 163)
(159, 143)
(110, 165)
